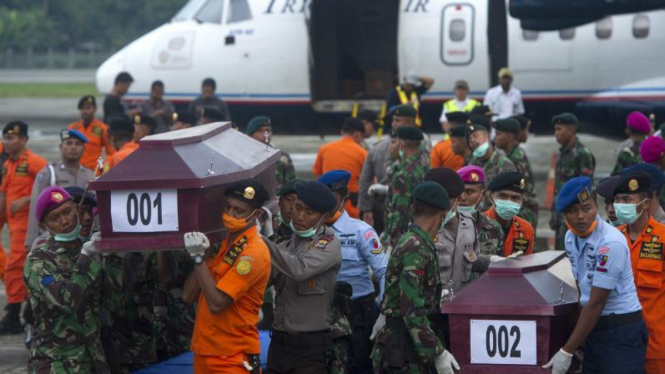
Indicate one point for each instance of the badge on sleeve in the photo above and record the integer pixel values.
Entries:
(376, 247)
(244, 265)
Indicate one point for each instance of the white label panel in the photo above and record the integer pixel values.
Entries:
(144, 211)
(503, 342)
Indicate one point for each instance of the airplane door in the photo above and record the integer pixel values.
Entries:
(457, 34)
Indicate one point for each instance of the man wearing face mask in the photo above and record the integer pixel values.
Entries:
(657, 182)
(645, 237)
(506, 194)
(62, 279)
(410, 342)
(305, 271)
(605, 189)
(229, 285)
(610, 323)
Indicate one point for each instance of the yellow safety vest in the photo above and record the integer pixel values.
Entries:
(414, 100)
(450, 106)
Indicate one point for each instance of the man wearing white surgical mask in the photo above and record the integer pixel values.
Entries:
(506, 193)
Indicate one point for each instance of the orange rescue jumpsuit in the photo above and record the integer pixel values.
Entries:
(97, 133)
(442, 155)
(120, 155)
(520, 236)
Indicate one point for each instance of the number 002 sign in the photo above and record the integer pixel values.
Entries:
(503, 342)
(144, 211)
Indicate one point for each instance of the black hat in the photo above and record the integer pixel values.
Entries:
(432, 194)
(145, 120)
(120, 123)
(19, 128)
(510, 180)
(317, 196)
(124, 77)
(565, 119)
(289, 187)
(605, 186)
(524, 121)
(355, 124)
(509, 125)
(185, 117)
(212, 114)
(457, 117)
(473, 128)
(482, 110)
(448, 179)
(87, 99)
(405, 110)
(367, 115)
(249, 191)
(77, 192)
(632, 183)
(657, 175)
(476, 119)
(407, 133)
(459, 131)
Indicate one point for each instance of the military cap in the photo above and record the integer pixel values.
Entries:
(145, 120)
(652, 149)
(336, 179)
(120, 124)
(524, 121)
(605, 186)
(51, 198)
(249, 191)
(405, 110)
(317, 196)
(476, 119)
(657, 175)
(351, 123)
(72, 134)
(510, 180)
(19, 128)
(638, 122)
(87, 99)
(448, 179)
(482, 110)
(565, 119)
(432, 194)
(185, 117)
(576, 191)
(472, 174)
(407, 133)
(459, 131)
(457, 117)
(505, 72)
(212, 114)
(367, 115)
(77, 193)
(289, 187)
(256, 123)
(632, 183)
(509, 125)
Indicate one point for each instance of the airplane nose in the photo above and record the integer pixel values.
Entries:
(107, 72)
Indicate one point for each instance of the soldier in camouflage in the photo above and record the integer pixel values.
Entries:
(340, 329)
(260, 129)
(405, 340)
(507, 140)
(638, 128)
(575, 160)
(62, 280)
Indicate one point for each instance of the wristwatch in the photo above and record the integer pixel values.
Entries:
(198, 259)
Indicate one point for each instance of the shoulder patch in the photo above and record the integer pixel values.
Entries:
(97, 131)
(244, 265)
(322, 243)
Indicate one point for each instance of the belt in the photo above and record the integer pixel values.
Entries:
(613, 320)
(302, 339)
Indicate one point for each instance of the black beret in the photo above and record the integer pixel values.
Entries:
(405, 110)
(289, 187)
(459, 131)
(212, 114)
(510, 180)
(632, 183)
(565, 119)
(351, 123)
(120, 123)
(19, 128)
(448, 179)
(476, 119)
(524, 121)
(432, 194)
(77, 192)
(605, 186)
(249, 191)
(482, 110)
(367, 115)
(407, 133)
(509, 125)
(185, 117)
(87, 99)
(317, 196)
(457, 117)
(145, 120)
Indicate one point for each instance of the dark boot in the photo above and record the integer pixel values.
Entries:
(11, 323)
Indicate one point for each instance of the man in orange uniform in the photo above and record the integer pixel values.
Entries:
(18, 176)
(94, 130)
(121, 135)
(442, 155)
(507, 193)
(345, 154)
(3, 220)
(229, 286)
(645, 237)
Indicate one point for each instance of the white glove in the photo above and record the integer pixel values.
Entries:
(495, 258)
(516, 254)
(560, 362)
(445, 363)
(378, 326)
(89, 247)
(196, 243)
(378, 189)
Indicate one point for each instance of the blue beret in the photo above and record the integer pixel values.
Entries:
(575, 191)
(335, 179)
(67, 134)
(77, 193)
(657, 175)
(316, 195)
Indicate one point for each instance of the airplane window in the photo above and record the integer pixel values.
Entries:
(567, 34)
(457, 30)
(641, 26)
(211, 12)
(529, 35)
(188, 10)
(604, 28)
(239, 11)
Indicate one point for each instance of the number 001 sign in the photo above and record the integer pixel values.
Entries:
(144, 211)
(503, 342)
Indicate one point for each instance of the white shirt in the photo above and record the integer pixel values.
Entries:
(460, 106)
(502, 104)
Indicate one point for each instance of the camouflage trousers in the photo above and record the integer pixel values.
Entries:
(44, 366)
(338, 356)
(409, 368)
(529, 212)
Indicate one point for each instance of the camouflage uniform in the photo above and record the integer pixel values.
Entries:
(64, 289)
(340, 330)
(497, 163)
(628, 157)
(284, 170)
(413, 291)
(403, 176)
(490, 237)
(529, 209)
(574, 162)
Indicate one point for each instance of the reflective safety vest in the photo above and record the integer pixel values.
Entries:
(450, 106)
(414, 100)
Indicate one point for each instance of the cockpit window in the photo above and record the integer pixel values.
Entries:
(187, 12)
(239, 11)
(211, 12)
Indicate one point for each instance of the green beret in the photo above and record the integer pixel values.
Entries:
(482, 110)
(510, 180)
(476, 119)
(473, 128)
(457, 117)
(407, 133)
(524, 121)
(432, 194)
(256, 123)
(405, 110)
(289, 187)
(509, 125)
(632, 183)
(565, 119)
(459, 131)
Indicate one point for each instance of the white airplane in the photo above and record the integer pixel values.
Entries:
(306, 62)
